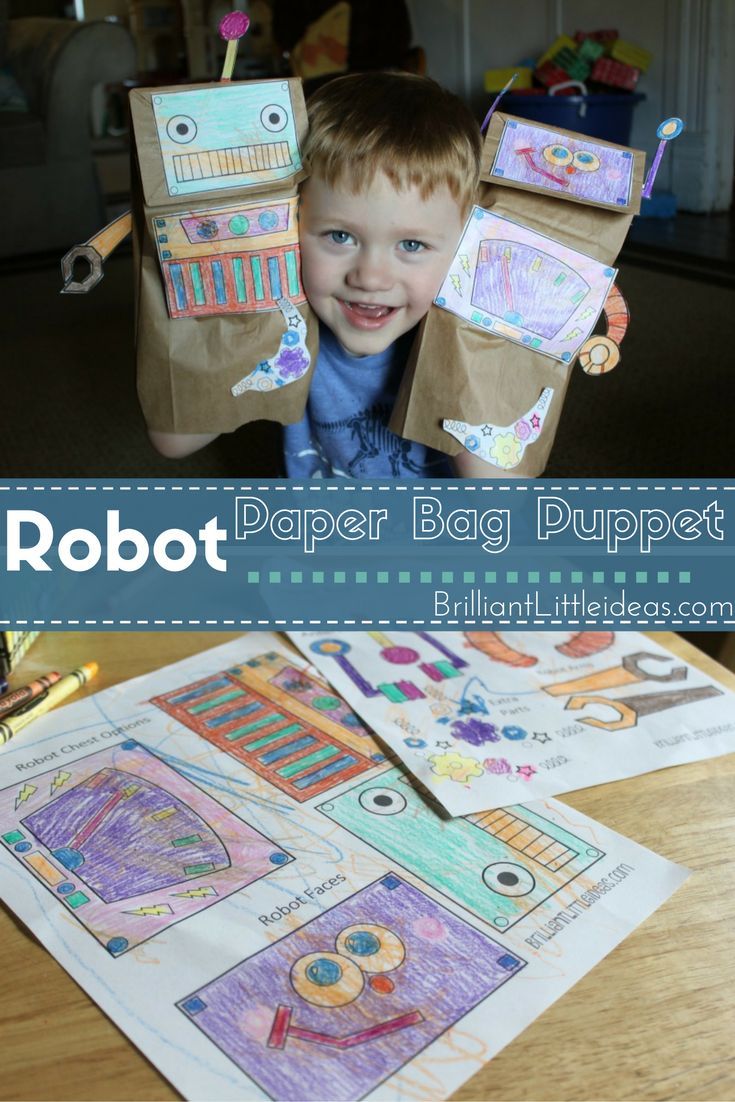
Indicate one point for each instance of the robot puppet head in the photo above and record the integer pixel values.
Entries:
(224, 137)
(208, 139)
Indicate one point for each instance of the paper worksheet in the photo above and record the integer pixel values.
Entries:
(484, 718)
(222, 856)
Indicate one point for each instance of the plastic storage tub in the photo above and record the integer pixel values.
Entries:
(609, 117)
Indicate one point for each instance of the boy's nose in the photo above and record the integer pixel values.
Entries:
(370, 272)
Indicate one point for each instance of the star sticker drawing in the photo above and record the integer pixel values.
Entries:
(502, 445)
(442, 744)
(541, 736)
(525, 771)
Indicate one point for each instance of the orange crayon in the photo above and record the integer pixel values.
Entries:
(52, 696)
(15, 699)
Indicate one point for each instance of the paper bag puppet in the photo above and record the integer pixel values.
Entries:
(224, 335)
(529, 280)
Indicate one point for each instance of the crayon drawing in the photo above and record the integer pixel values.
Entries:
(339, 1005)
(499, 864)
(238, 259)
(290, 361)
(503, 445)
(128, 846)
(278, 721)
(569, 164)
(226, 136)
(521, 285)
(584, 691)
(547, 712)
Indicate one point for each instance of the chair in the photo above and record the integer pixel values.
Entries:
(49, 188)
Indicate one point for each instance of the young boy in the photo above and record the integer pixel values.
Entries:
(394, 162)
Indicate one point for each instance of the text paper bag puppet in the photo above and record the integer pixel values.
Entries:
(531, 275)
(223, 330)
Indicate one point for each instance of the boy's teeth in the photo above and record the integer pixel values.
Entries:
(373, 311)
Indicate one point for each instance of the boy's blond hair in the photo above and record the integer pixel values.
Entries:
(406, 126)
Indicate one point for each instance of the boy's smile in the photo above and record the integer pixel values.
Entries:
(372, 262)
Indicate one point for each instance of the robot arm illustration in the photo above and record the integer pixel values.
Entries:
(600, 354)
(95, 252)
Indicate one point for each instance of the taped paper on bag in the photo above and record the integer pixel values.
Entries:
(503, 445)
(524, 286)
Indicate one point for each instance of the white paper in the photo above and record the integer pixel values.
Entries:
(352, 952)
(484, 718)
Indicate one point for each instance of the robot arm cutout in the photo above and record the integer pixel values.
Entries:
(600, 354)
(95, 252)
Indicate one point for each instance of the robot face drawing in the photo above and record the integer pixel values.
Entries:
(239, 135)
(583, 169)
(350, 997)
(500, 864)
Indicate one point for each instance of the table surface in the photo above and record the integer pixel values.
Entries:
(654, 1020)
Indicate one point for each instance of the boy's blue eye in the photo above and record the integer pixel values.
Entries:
(412, 246)
(340, 237)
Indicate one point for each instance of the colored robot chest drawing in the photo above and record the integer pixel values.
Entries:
(582, 169)
(229, 260)
(128, 845)
(278, 721)
(521, 285)
(500, 864)
(347, 1000)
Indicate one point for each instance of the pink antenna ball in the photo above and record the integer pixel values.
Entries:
(233, 25)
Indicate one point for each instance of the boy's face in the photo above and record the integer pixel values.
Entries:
(372, 263)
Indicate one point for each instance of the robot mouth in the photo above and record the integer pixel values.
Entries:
(234, 160)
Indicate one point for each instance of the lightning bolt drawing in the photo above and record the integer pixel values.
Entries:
(195, 893)
(572, 334)
(465, 262)
(60, 778)
(586, 314)
(456, 284)
(156, 909)
(25, 794)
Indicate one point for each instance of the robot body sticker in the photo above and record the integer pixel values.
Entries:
(521, 285)
(503, 445)
(229, 260)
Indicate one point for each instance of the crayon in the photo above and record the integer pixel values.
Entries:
(48, 699)
(12, 702)
(3, 685)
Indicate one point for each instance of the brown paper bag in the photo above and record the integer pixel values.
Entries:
(472, 373)
(224, 335)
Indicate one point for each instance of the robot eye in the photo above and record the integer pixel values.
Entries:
(505, 878)
(586, 161)
(558, 155)
(181, 129)
(382, 801)
(273, 117)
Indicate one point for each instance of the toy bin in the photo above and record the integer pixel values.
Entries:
(609, 117)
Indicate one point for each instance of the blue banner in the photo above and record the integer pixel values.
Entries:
(353, 554)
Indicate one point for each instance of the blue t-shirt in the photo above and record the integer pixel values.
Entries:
(344, 431)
